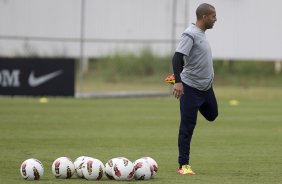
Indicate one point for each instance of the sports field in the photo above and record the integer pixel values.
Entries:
(243, 146)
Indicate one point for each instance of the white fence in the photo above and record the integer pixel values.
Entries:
(246, 29)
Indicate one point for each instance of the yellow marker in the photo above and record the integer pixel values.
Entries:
(43, 100)
(233, 102)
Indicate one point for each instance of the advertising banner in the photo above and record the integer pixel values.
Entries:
(37, 76)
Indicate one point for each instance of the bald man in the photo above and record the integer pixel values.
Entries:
(193, 71)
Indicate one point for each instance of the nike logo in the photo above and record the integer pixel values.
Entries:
(36, 81)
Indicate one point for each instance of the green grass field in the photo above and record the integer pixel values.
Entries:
(243, 146)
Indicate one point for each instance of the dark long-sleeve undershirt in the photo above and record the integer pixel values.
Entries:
(177, 64)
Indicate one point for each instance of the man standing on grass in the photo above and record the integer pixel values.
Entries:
(193, 71)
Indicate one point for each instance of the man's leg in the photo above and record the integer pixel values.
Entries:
(209, 108)
(189, 106)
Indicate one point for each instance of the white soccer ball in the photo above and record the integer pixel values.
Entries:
(63, 168)
(93, 169)
(123, 169)
(108, 169)
(142, 169)
(153, 165)
(32, 169)
(78, 165)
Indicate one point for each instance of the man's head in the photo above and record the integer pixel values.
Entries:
(206, 15)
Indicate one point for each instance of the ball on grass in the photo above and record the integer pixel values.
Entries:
(32, 169)
(63, 168)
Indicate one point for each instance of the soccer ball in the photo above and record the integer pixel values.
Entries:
(123, 169)
(63, 168)
(92, 169)
(78, 165)
(108, 169)
(142, 169)
(153, 165)
(32, 169)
